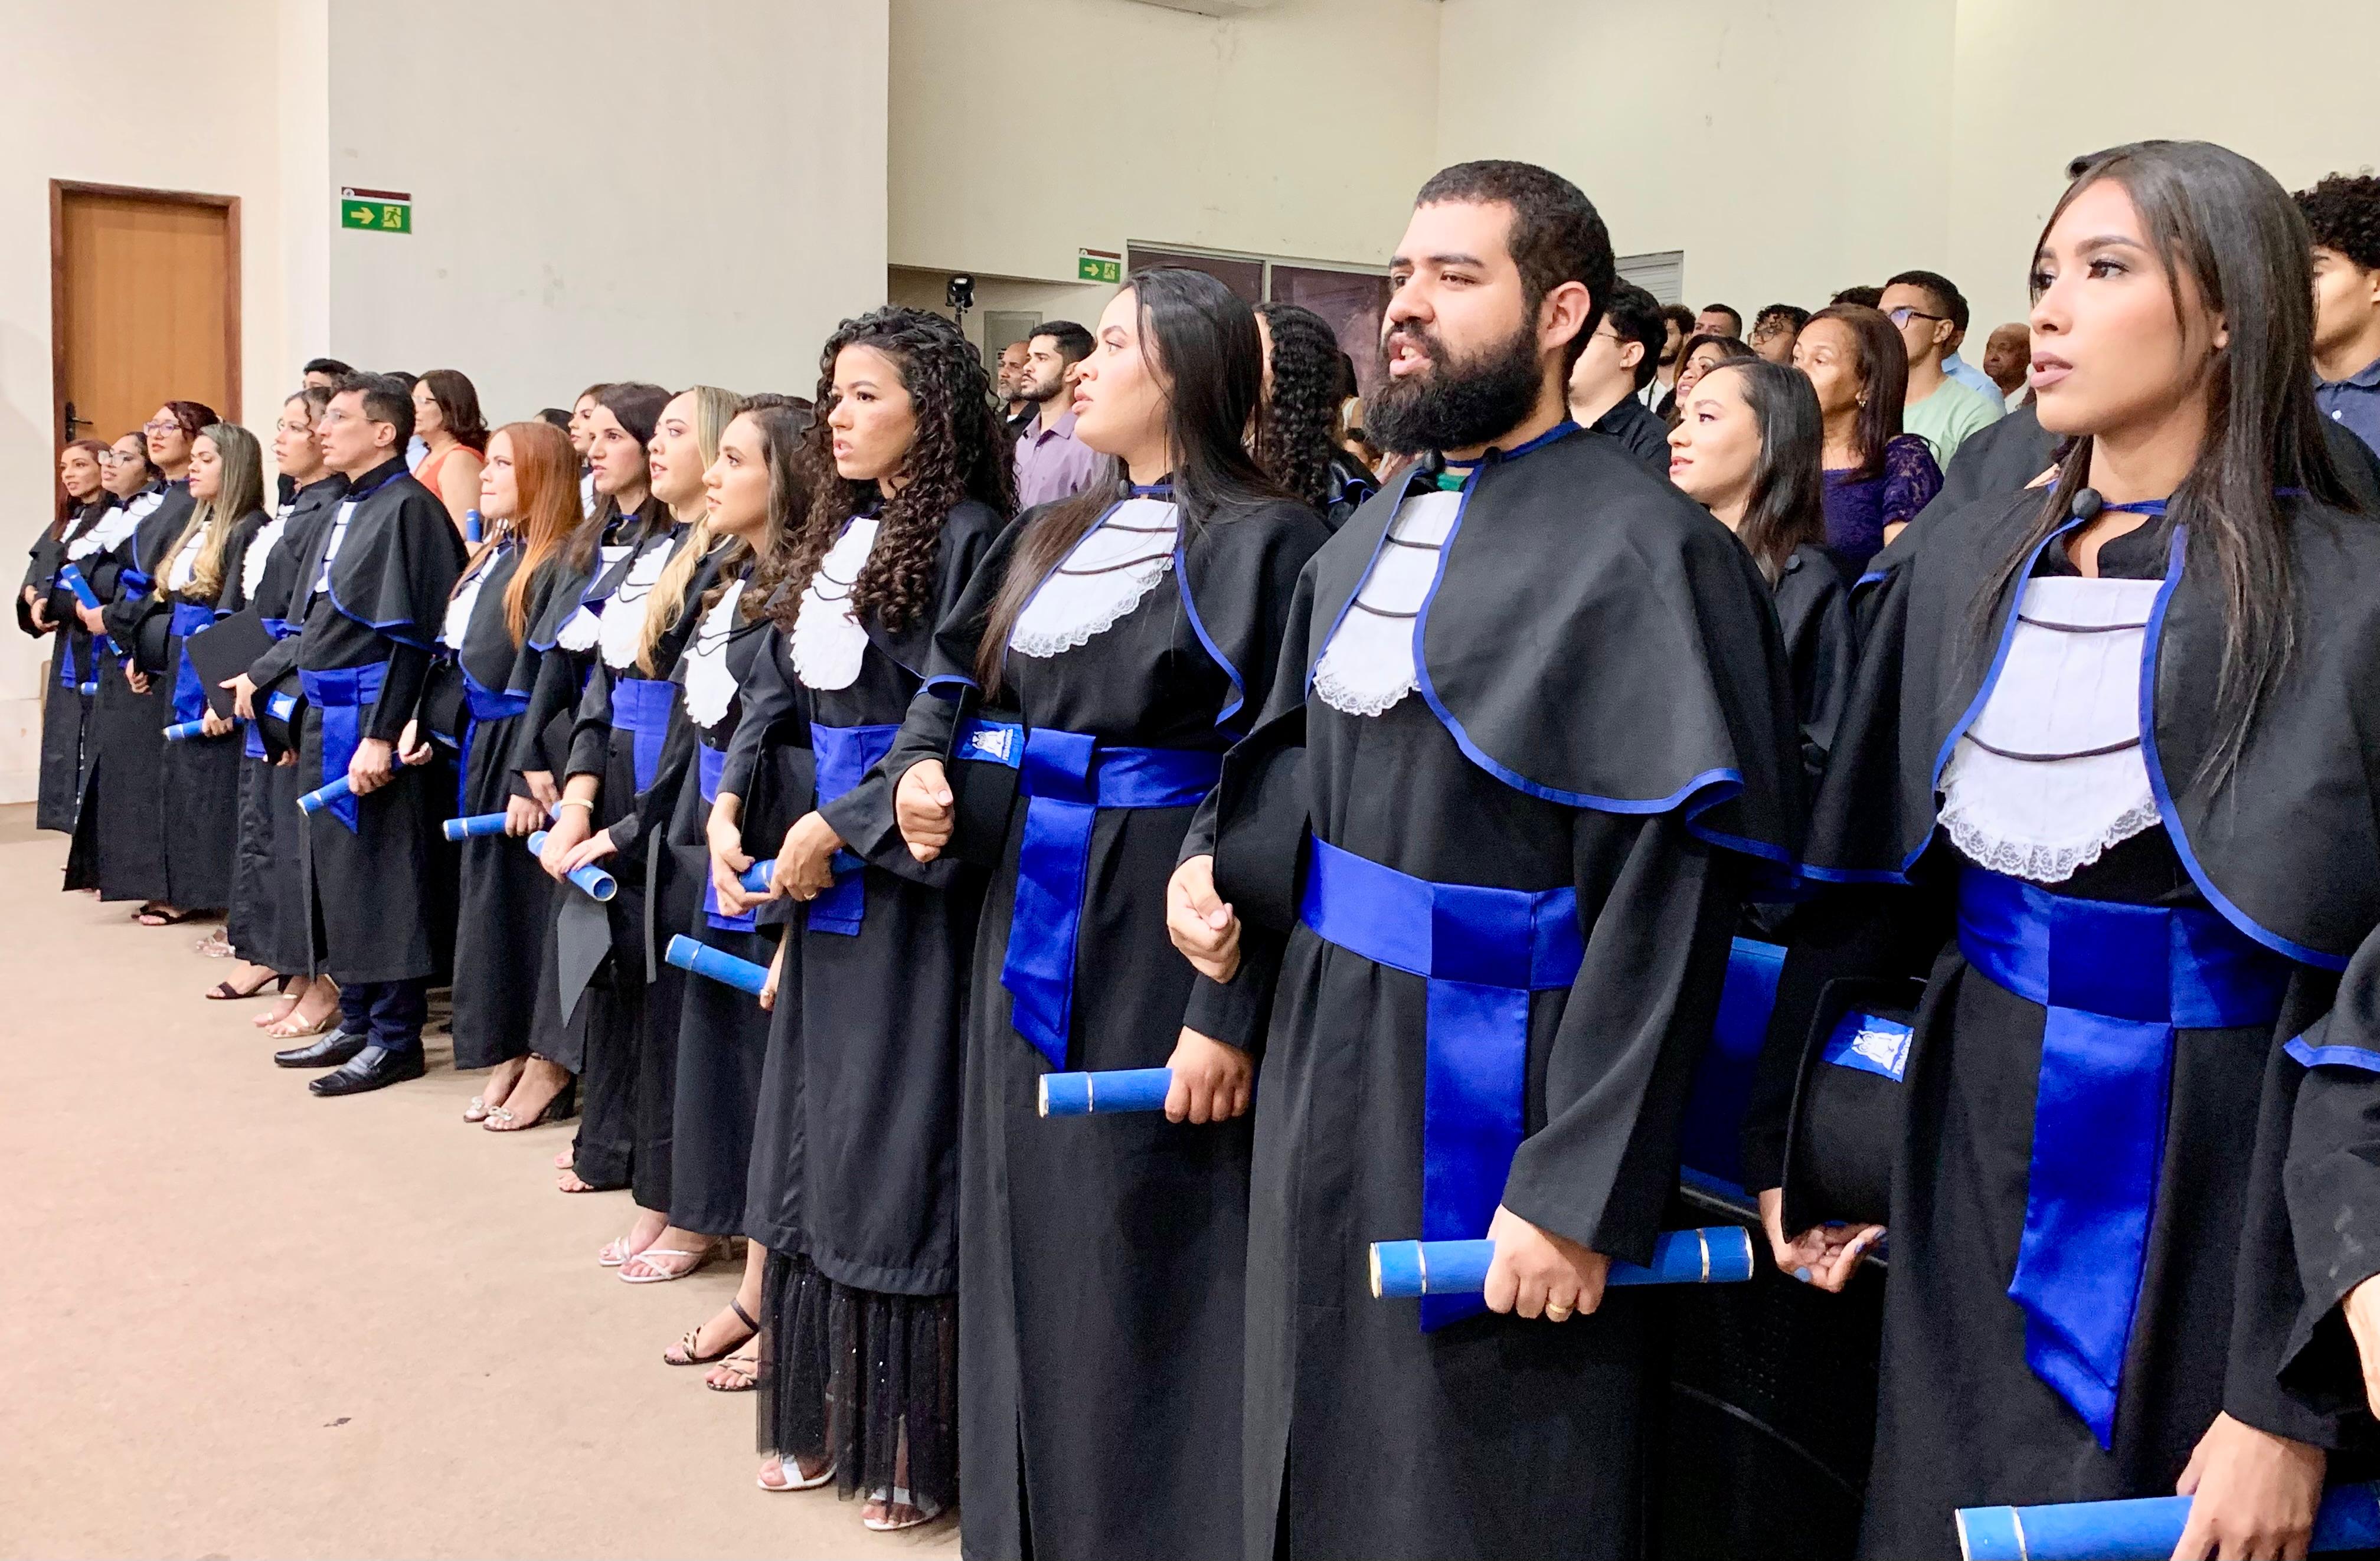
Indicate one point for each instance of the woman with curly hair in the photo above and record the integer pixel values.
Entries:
(1297, 423)
(854, 1187)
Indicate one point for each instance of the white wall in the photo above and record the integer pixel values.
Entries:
(1024, 130)
(146, 92)
(677, 193)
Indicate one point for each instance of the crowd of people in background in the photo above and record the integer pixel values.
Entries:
(785, 786)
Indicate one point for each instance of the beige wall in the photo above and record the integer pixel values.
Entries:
(682, 194)
(154, 94)
(1025, 130)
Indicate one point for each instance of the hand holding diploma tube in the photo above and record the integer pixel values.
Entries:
(1716, 1255)
(2150, 1528)
(592, 880)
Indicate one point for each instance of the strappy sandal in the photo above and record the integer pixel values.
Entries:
(214, 945)
(685, 1355)
(615, 1251)
(744, 1368)
(893, 1497)
(290, 1029)
(225, 992)
(162, 917)
(711, 1253)
(794, 1478)
(478, 1111)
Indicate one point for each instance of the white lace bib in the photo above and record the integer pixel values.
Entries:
(2050, 774)
(1369, 665)
(1118, 561)
(709, 684)
(460, 606)
(114, 527)
(828, 644)
(260, 553)
(623, 620)
(577, 631)
(185, 563)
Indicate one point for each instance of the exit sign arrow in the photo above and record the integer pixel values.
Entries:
(380, 210)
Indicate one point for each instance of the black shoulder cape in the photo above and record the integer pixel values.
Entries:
(397, 564)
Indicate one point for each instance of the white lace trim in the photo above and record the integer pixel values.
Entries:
(710, 682)
(577, 631)
(185, 563)
(1368, 666)
(622, 623)
(2070, 687)
(828, 645)
(460, 606)
(260, 552)
(1089, 593)
(114, 527)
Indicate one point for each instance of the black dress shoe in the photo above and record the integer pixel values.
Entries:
(328, 1052)
(371, 1069)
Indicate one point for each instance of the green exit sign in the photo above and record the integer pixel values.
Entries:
(381, 211)
(1097, 265)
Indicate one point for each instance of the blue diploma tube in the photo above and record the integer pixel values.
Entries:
(690, 954)
(183, 731)
(2148, 1528)
(472, 530)
(471, 826)
(755, 878)
(594, 881)
(321, 797)
(1101, 1095)
(1719, 1254)
(72, 577)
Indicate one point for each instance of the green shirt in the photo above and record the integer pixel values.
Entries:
(1945, 419)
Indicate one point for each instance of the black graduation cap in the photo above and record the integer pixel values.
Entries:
(1850, 1103)
(277, 708)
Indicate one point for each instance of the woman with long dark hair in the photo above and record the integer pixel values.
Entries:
(1305, 382)
(138, 489)
(45, 607)
(853, 1186)
(446, 419)
(1746, 449)
(1877, 477)
(1110, 649)
(2127, 716)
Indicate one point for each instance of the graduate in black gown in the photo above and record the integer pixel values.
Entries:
(1109, 650)
(589, 1036)
(2122, 717)
(120, 830)
(137, 486)
(528, 503)
(1532, 668)
(198, 777)
(370, 599)
(44, 607)
(621, 780)
(266, 924)
(1299, 417)
(854, 1187)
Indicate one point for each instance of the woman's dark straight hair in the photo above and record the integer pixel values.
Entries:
(639, 406)
(2222, 220)
(69, 507)
(1201, 341)
(1884, 374)
(1788, 503)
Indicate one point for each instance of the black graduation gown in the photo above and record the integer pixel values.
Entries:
(2286, 851)
(65, 707)
(380, 895)
(120, 832)
(503, 896)
(1497, 1436)
(1099, 1303)
(266, 921)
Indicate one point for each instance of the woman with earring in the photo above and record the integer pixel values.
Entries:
(44, 607)
(1877, 477)
(854, 1187)
(446, 419)
(610, 805)
(2120, 716)
(1110, 646)
(529, 502)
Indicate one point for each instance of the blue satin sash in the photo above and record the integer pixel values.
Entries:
(709, 765)
(1068, 778)
(189, 689)
(1481, 951)
(252, 738)
(480, 703)
(1710, 1134)
(2117, 980)
(342, 696)
(844, 754)
(642, 705)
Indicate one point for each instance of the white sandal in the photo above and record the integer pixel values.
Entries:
(897, 1497)
(708, 1253)
(788, 1467)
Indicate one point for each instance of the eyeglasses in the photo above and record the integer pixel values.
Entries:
(159, 425)
(1904, 314)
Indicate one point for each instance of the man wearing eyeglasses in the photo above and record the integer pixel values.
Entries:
(1931, 315)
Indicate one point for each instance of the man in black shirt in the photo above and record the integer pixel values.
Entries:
(1620, 360)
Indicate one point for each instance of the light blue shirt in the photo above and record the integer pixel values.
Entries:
(1973, 378)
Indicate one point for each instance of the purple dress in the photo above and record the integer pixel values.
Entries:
(1859, 508)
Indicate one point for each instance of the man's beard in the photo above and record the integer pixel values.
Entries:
(1457, 403)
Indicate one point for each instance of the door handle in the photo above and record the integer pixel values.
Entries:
(74, 422)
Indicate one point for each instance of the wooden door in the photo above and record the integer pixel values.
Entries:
(144, 305)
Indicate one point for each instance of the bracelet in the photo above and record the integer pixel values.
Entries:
(578, 802)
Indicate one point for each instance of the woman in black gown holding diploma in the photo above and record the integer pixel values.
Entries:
(44, 607)
(2128, 716)
(854, 1177)
(1131, 627)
